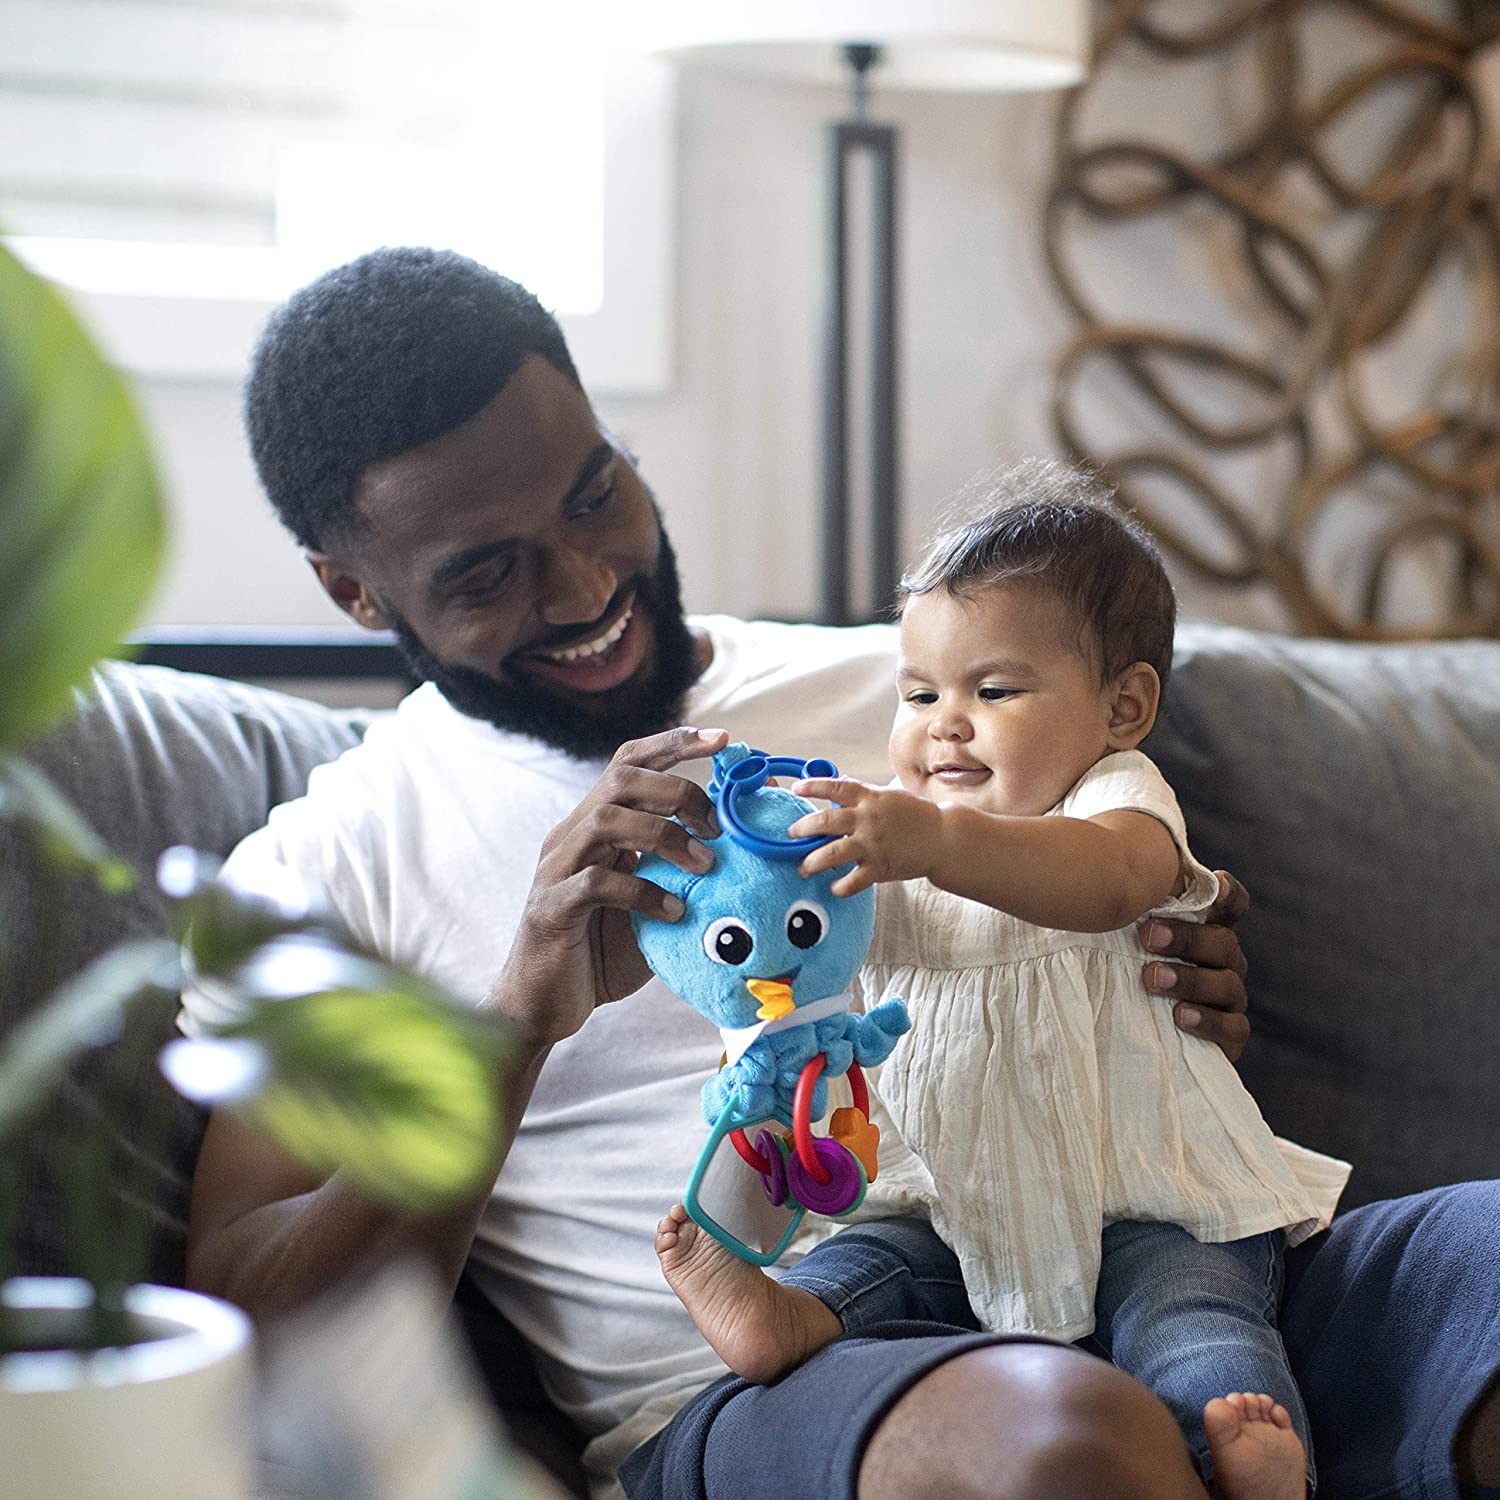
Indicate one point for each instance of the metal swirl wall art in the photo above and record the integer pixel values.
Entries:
(1334, 436)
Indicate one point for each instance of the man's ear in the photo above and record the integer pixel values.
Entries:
(356, 599)
(1134, 698)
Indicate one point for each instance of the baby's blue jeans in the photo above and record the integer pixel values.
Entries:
(1189, 1320)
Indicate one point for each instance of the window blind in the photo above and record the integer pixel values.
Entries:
(170, 119)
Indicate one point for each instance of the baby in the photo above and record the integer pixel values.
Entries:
(1096, 1171)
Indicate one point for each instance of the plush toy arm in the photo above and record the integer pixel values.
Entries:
(715, 1097)
(745, 1088)
(876, 1034)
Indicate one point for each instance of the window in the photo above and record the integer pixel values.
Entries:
(181, 165)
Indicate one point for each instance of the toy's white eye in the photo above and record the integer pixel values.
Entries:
(728, 941)
(806, 924)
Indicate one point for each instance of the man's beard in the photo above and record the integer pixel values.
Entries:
(649, 702)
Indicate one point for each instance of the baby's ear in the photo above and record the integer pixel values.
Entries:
(1135, 696)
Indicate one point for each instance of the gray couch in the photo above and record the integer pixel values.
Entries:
(1354, 789)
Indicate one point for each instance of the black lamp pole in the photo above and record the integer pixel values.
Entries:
(847, 138)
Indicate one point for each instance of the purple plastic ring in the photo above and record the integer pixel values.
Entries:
(845, 1188)
(773, 1179)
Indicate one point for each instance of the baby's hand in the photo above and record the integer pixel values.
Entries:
(884, 832)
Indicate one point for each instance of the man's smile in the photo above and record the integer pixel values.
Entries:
(593, 647)
(604, 656)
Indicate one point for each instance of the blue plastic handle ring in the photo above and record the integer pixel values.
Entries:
(747, 777)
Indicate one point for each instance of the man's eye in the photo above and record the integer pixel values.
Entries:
(597, 502)
(484, 587)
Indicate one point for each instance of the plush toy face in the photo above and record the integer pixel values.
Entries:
(757, 940)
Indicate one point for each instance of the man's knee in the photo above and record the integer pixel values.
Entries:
(1085, 1428)
(1023, 1422)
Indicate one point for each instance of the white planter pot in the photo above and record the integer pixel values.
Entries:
(166, 1419)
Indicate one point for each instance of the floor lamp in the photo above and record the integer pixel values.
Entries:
(954, 45)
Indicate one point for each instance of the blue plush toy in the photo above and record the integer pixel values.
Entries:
(769, 956)
(765, 953)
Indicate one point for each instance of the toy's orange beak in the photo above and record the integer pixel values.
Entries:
(775, 997)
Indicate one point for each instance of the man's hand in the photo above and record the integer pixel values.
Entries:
(574, 949)
(884, 832)
(1208, 986)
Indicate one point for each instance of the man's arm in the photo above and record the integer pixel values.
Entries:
(266, 1233)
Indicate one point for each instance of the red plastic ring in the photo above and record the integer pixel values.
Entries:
(807, 1152)
(748, 1153)
(859, 1089)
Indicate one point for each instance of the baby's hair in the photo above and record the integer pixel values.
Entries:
(1057, 527)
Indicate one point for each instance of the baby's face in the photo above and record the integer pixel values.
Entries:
(998, 709)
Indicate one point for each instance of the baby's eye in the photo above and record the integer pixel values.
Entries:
(921, 695)
(996, 694)
(806, 924)
(728, 941)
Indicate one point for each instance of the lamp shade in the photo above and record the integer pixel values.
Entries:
(960, 45)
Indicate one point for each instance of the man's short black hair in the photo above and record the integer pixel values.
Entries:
(1056, 527)
(375, 358)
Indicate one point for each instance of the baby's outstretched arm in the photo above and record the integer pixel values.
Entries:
(1078, 874)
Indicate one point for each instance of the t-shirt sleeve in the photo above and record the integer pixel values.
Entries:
(301, 847)
(1128, 781)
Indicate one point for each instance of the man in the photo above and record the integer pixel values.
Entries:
(420, 428)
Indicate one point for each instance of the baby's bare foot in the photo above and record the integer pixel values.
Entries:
(1256, 1454)
(758, 1327)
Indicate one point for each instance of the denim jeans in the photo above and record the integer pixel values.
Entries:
(1194, 1321)
(1190, 1321)
(887, 1271)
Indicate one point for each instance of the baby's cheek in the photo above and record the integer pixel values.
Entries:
(907, 769)
(900, 748)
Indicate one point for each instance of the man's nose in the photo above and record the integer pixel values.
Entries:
(578, 587)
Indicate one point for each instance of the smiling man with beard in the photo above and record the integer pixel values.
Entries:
(598, 686)
(421, 430)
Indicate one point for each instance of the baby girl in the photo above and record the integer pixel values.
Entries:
(1098, 1174)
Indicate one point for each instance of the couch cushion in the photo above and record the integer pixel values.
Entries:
(152, 758)
(1356, 791)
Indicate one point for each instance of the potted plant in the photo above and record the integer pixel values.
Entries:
(109, 1386)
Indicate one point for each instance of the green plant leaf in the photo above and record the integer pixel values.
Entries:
(88, 1011)
(387, 1081)
(349, 1064)
(80, 512)
(27, 797)
(223, 923)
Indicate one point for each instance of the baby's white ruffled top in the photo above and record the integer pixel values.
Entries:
(1048, 1095)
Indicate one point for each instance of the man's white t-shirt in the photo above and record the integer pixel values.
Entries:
(425, 838)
